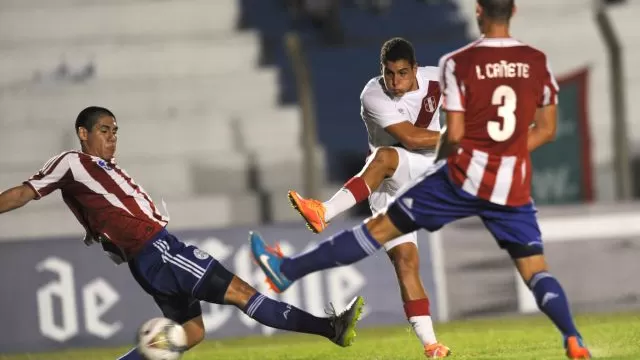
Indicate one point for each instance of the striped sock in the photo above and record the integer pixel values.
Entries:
(419, 316)
(344, 248)
(354, 191)
(280, 315)
(552, 301)
(133, 354)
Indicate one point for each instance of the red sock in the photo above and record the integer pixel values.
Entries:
(418, 307)
(358, 188)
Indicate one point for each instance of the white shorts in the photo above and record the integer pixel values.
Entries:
(410, 166)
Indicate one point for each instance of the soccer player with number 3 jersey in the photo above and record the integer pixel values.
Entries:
(500, 101)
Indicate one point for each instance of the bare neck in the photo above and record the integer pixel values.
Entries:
(496, 30)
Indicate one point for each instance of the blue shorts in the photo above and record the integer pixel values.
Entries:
(178, 276)
(434, 201)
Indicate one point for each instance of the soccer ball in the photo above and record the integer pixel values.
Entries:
(161, 339)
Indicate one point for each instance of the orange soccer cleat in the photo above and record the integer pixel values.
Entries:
(311, 210)
(436, 351)
(576, 349)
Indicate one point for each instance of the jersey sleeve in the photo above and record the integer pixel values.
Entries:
(55, 174)
(380, 110)
(549, 87)
(452, 86)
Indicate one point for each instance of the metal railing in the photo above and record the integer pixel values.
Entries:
(620, 140)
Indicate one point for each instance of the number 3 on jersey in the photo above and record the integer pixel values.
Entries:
(500, 131)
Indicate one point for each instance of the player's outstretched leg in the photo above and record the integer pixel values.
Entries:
(339, 328)
(380, 165)
(552, 301)
(344, 248)
(220, 286)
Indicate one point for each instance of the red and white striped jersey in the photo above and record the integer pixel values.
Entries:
(498, 84)
(103, 197)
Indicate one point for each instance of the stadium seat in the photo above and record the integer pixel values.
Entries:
(29, 145)
(168, 58)
(161, 177)
(193, 212)
(222, 172)
(283, 167)
(175, 138)
(48, 20)
(262, 130)
(159, 99)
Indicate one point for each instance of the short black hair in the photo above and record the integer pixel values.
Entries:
(90, 116)
(500, 10)
(397, 49)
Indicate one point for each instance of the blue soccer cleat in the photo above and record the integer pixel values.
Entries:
(269, 259)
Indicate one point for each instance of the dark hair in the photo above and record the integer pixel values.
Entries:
(90, 116)
(397, 49)
(500, 10)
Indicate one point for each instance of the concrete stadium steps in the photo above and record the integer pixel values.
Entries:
(262, 132)
(186, 213)
(130, 60)
(27, 145)
(172, 176)
(160, 99)
(175, 138)
(198, 117)
(49, 20)
(176, 176)
(278, 167)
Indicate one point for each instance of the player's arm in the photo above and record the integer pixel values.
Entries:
(54, 175)
(544, 127)
(545, 121)
(454, 106)
(16, 197)
(412, 137)
(452, 134)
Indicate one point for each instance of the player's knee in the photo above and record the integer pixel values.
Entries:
(239, 293)
(382, 229)
(214, 284)
(528, 266)
(385, 157)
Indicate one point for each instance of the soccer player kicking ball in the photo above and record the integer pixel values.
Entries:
(493, 88)
(401, 111)
(117, 213)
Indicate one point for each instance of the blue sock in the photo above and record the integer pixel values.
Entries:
(133, 354)
(553, 302)
(344, 248)
(280, 315)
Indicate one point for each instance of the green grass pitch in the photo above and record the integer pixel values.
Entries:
(610, 336)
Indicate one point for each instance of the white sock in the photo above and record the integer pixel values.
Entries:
(423, 328)
(341, 201)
